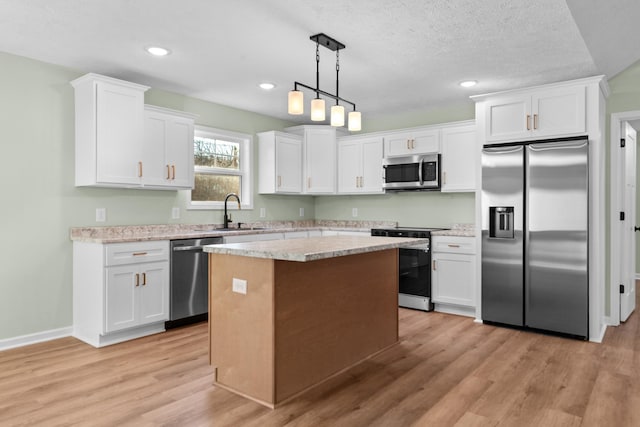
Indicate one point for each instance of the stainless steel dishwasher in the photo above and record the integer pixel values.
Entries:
(189, 281)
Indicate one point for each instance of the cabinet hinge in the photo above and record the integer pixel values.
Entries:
(623, 143)
(622, 289)
(621, 216)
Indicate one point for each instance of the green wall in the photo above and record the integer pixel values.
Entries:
(40, 202)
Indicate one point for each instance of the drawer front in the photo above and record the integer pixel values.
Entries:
(454, 244)
(136, 252)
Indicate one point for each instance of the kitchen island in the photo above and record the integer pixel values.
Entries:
(286, 315)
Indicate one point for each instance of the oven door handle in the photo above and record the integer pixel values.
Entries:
(420, 171)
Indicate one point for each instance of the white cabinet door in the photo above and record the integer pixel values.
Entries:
(452, 279)
(360, 165)
(371, 175)
(552, 112)
(320, 160)
(508, 118)
(121, 297)
(119, 132)
(559, 112)
(414, 142)
(136, 294)
(459, 159)
(349, 166)
(167, 149)
(109, 128)
(154, 290)
(288, 164)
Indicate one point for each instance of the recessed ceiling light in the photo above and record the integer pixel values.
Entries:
(158, 51)
(468, 83)
(267, 86)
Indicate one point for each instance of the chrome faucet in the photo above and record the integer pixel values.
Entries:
(227, 220)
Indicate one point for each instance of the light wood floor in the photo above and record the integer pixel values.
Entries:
(447, 370)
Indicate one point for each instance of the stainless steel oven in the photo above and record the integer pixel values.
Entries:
(414, 265)
(417, 172)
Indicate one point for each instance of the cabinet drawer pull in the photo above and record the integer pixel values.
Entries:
(434, 265)
(168, 172)
(535, 121)
(139, 253)
(139, 169)
(137, 279)
(144, 279)
(453, 246)
(528, 121)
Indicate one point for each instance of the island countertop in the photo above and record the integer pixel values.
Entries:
(313, 248)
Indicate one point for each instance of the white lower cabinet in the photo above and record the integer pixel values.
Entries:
(453, 274)
(120, 290)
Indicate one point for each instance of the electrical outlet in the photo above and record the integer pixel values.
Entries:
(263, 212)
(239, 286)
(301, 211)
(354, 212)
(175, 213)
(101, 214)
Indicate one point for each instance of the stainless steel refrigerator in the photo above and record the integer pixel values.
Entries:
(535, 239)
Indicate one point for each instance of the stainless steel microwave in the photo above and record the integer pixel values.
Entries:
(416, 172)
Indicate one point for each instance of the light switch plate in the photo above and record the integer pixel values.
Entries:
(354, 212)
(175, 213)
(263, 212)
(301, 211)
(239, 286)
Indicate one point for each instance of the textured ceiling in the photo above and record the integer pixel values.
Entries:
(401, 55)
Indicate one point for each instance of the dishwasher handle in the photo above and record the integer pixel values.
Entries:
(188, 248)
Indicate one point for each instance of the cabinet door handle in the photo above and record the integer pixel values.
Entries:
(535, 121)
(173, 172)
(528, 121)
(413, 143)
(137, 279)
(279, 181)
(309, 182)
(408, 144)
(444, 177)
(168, 172)
(361, 182)
(434, 265)
(139, 169)
(144, 279)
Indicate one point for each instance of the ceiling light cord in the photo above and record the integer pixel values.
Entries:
(317, 70)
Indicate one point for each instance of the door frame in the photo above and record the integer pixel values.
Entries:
(617, 197)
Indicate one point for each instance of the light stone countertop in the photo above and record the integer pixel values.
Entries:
(141, 233)
(462, 230)
(313, 248)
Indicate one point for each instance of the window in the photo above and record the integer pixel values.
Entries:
(222, 163)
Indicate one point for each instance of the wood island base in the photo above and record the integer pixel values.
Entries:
(299, 323)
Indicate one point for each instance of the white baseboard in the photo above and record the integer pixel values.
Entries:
(23, 340)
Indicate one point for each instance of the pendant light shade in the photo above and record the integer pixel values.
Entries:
(337, 115)
(355, 121)
(317, 110)
(296, 102)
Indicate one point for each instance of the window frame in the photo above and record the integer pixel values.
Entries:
(245, 171)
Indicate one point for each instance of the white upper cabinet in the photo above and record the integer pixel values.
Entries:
(319, 154)
(459, 158)
(412, 142)
(168, 148)
(280, 163)
(120, 142)
(109, 129)
(555, 111)
(360, 165)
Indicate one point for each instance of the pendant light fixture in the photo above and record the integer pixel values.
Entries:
(296, 97)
